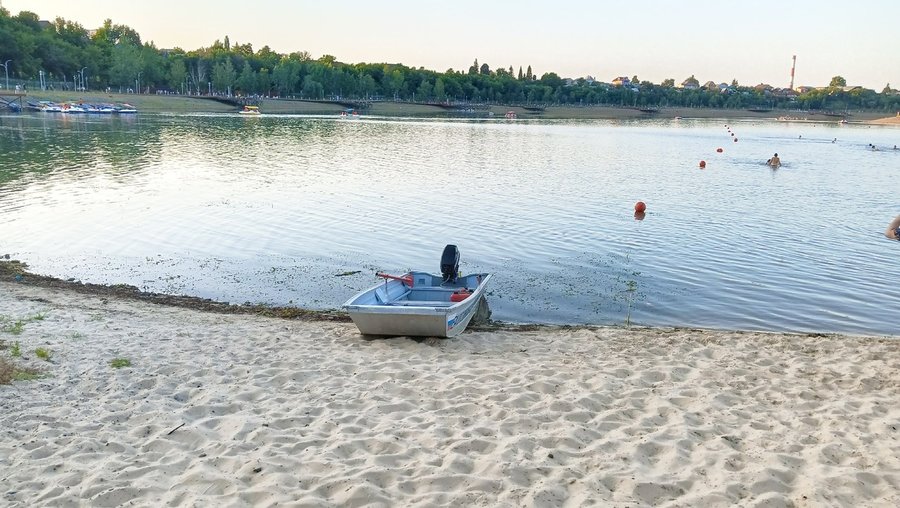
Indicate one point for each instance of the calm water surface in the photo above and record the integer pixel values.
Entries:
(273, 209)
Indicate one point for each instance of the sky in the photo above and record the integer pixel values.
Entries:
(752, 42)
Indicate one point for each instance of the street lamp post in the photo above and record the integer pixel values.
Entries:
(6, 69)
(83, 88)
(137, 83)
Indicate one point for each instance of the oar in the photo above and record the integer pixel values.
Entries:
(406, 279)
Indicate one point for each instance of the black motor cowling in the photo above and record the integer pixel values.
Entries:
(450, 263)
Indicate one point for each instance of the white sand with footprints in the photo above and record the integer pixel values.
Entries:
(225, 410)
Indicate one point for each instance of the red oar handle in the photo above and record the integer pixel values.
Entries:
(406, 279)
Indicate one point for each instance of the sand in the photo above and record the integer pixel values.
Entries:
(242, 410)
(891, 120)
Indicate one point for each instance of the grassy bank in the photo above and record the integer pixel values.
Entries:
(181, 104)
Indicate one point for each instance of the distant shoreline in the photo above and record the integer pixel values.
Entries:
(188, 104)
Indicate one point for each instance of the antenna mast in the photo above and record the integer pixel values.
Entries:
(793, 66)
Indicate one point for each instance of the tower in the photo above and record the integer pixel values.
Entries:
(793, 66)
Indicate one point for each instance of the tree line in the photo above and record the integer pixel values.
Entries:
(65, 54)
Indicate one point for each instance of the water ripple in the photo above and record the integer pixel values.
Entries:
(271, 209)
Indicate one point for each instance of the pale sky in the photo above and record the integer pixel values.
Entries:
(749, 41)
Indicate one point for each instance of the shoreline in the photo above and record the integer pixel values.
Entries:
(188, 104)
(152, 404)
(17, 271)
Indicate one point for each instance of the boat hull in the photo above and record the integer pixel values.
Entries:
(425, 309)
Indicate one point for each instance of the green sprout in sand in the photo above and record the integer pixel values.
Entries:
(118, 363)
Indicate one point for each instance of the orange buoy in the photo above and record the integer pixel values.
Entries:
(719, 150)
(640, 206)
(702, 164)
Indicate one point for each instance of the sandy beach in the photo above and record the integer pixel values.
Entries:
(243, 410)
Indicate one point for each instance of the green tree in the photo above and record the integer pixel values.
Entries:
(126, 65)
(423, 92)
(396, 83)
(247, 81)
(177, 73)
(117, 34)
(312, 89)
(286, 76)
(263, 81)
(223, 76)
(837, 82)
(551, 80)
(367, 85)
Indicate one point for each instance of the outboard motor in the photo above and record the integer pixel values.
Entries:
(450, 263)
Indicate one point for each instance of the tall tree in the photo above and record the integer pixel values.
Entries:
(223, 76)
(127, 64)
(838, 81)
(286, 76)
(396, 83)
(177, 73)
(247, 81)
(424, 90)
(264, 81)
(439, 92)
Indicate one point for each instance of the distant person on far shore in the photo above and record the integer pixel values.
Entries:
(893, 230)
(774, 161)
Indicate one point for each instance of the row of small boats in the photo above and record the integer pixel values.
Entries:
(81, 107)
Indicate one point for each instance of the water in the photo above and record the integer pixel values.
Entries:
(273, 209)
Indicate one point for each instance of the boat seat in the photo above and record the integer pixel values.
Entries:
(439, 289)
(394, 299)
(422, 303)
